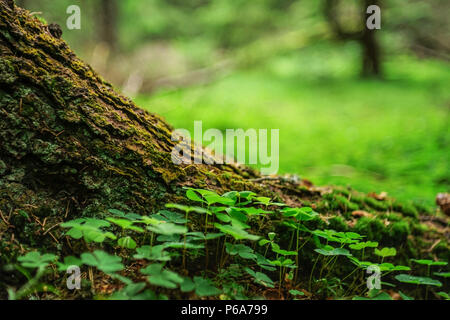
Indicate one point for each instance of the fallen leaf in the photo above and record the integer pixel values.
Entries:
(382, 196)
(443, 201)
(361, 213)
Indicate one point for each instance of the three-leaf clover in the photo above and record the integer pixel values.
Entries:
(406, 278)
(152, 253)
(158, 276)
(88, 228)
(102, 261)
(127, 242)
(242, 250)
(386, 252)
(34, 259)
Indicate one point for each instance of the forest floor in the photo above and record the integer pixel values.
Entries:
(390, 135)
(127, 223)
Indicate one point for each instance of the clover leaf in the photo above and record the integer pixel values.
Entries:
(152, 253)
(442, 274)
(161, 277)
(88, 228)
(68, 262)
(296, 292)
(430, 262)
(386, 252)
(167, 228)
(34, 259)
(330, 251)
(363, 245)
(127, 242)
(242, 250)
(236, 232)
(102, 261)
(133, 291)
(204, 287)
(260, 278)
(125, 224)
(406, 278)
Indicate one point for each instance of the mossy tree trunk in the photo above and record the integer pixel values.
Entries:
(70, 145)
(67, 136)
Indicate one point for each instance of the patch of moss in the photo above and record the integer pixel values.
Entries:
(400, 230)
(406, 208)
(423, 208)
(376, 204)
(344, 204)
(374, 229)
(338, 223)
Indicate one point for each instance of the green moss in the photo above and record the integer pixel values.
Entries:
(375, 204)
(407, 209)
(7, 72)
(391, 216)
(322, 206)
(338, 223)
(345, 204)
(2, 167)
(356, 198)
(419, 228)
(423, 208)
(374, 229)
(400, 230)
(346, 193)
(442, 250)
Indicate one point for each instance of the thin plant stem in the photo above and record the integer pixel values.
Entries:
(312, 271)
(184, 245)
(297, 256)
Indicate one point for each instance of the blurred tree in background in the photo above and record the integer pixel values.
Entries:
(109, 13)
(342, 24)
(198, 33)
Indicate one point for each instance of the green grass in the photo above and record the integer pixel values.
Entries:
(335, 128)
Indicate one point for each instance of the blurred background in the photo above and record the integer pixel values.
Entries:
(355, 108)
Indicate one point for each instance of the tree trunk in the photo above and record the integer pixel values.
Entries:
(370, 48)
(371, 55)
(65, 133)
(71, 146)
(109, 13)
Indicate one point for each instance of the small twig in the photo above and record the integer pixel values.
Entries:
(91, 277)
(37, 220)
(434, 245)
(51, 234)
(265, 178)
(3, 218)
(46, 231)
